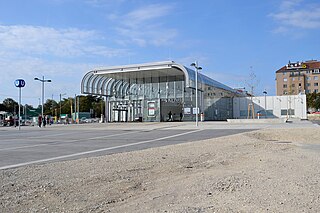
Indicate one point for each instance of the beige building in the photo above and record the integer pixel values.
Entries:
(298, 78)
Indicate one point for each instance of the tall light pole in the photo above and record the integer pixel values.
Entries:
(265, 103)
(42, 90)
(195, 65)
(60, 104)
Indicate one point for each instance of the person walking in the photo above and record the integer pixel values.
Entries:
(181, 116)
(39, 121)
(170, 116)
(44, 121)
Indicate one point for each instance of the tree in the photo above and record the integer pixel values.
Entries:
(66, 105)
(49, 107)
(2, 107)
(10, 105)
(317, 102)
(313, 101)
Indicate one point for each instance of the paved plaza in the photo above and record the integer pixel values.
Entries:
(34, 145)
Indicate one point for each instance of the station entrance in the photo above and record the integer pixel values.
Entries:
(126, 111)
(172, 108)
(133, 111)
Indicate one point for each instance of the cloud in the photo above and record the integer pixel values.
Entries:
(139, 17)
(39, 40)
(103, 3)
(58, 54)
(288, 4)
(66, 77)
(296, 15)
(143, 27)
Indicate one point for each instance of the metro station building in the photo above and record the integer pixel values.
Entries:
(149, 92)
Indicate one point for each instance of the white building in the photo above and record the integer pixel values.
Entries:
(291, 106)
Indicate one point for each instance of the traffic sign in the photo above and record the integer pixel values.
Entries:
(19, 83)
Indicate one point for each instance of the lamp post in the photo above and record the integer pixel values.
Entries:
(42, 90)
(60, 104)
(195, 65)
(265, 103)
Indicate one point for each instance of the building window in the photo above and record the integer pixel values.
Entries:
(269, 113)
(308, 84)
(315, 78)
(316, 90)
(316, 71)
(243, 113)
(287, 112)
(285, 92)
(316, 84)
(293, 85)
(307, 91)
(308, 78)
(299, 78)
(299, 84)
(292, 79)
(308, 71)
(284, 86)
(285, 79)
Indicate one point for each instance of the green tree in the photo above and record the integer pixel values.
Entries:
(50, 107)
(66, 105)
(313, 101)
(10, 105)
(2, 107)
(317, 102)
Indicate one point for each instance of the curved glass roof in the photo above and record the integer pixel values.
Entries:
(119, 80)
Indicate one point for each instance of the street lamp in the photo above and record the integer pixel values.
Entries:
(42, 90)
(265, 103)
(195, 65)
(60, 104)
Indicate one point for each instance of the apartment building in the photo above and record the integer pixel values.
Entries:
(298, 78)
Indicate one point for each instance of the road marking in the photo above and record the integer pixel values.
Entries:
(41, 136)
(69, 141)
(95, 151)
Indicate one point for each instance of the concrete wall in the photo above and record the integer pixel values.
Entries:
(291, 106)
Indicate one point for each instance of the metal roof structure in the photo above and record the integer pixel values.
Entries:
(118, 79)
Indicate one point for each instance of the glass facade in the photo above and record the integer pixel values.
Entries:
(159, 91)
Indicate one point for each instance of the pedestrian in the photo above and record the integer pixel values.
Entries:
(39, 121)
(44, 121)
(170, 116)
(181, 116)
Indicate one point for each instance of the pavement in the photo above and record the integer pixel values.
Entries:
(34, 145)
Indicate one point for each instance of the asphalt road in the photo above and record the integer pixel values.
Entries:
(37, 146)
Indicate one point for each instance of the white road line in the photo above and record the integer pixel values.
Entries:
(95, 151)
(64, 142)
(41, 136)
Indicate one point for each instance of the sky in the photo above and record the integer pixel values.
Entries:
(231, 40)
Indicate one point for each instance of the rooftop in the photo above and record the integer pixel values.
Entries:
(310, 64)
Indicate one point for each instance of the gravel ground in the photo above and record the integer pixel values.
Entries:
(270, 170)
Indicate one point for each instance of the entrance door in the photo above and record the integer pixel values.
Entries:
(168, 106)
(124, 111)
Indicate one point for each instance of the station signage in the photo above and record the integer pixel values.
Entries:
(19, 83)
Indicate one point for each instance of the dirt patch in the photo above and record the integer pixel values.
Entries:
(251, 172)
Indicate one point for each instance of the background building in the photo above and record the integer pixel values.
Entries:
(298, 78)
